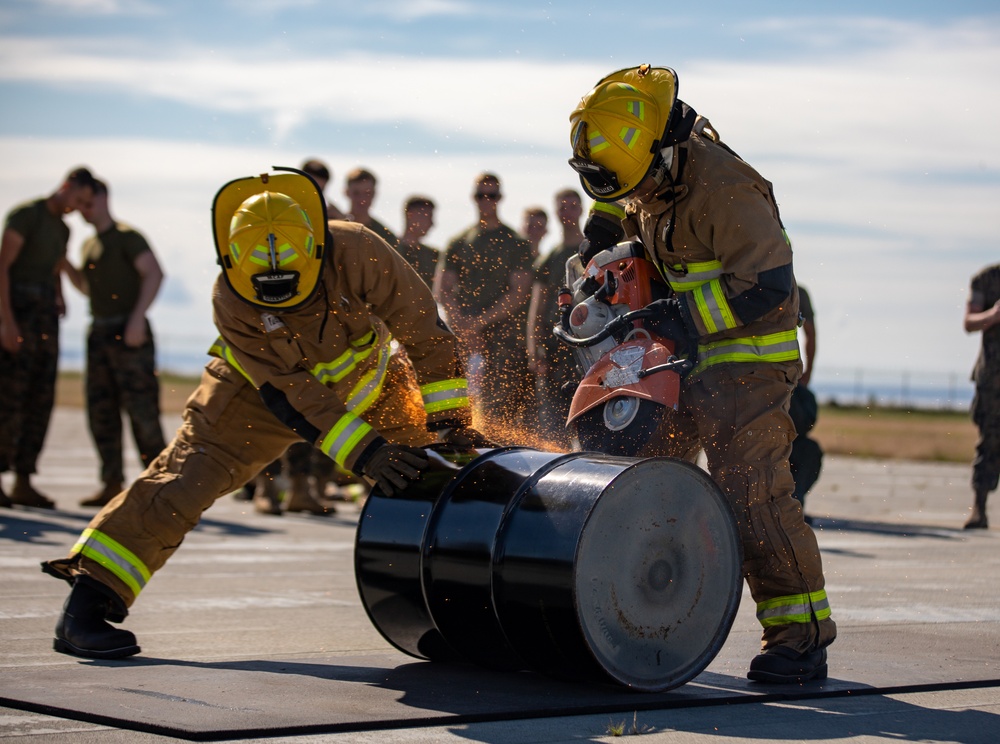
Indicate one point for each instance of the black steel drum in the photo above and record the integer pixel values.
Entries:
(579, 566)
(387, 558)
(458, 550)
(620, 569)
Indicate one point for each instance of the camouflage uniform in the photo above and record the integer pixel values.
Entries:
(119, 377)
(28, 378)
(985, 291)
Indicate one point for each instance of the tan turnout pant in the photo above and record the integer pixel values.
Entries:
(227, 437)
(739, 414)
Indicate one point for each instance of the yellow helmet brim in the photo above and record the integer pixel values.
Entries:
(302, 189)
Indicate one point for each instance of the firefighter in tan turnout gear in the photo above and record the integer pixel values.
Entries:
(306, 311)
(660, 172)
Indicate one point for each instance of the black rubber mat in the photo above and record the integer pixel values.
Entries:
(205, 701)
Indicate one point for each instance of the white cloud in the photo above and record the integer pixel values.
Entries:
(98, 7)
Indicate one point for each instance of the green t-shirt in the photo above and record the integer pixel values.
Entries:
(422, 258)
(45, 238)
(984, 291)
(383, 232)
(483, 261)
(109, 267)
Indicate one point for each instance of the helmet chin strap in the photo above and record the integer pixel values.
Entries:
(664, 163)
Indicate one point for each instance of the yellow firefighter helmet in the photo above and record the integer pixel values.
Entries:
(618, 128)
(269, 234)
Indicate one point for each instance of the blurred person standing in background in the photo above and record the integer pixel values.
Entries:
(121, 276)
(360, 190)
(534, 228)
(32, 255)
(550, 361)
(485, 287)
(320, 173)
(982, 313)
(418, 217)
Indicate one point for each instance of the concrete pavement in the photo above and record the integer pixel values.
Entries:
(255, 630)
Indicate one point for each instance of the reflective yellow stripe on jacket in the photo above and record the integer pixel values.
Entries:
(343, 365)
(115, 557)
(341, 440)
(221, 350)
(686, 277)
(702, 280)
(713, 307)
(369, 387)
(782, 346)
(612, 209)
(445, 395)
(795, 608)
(350, 429)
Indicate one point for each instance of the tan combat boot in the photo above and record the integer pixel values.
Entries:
(301, 500)
(25, 495)
(104, 495)
(265, 496)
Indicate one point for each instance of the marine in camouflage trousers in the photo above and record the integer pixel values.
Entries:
(28, 379)
(986, 415)
(121, 378)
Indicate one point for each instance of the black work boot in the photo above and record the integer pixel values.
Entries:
(83, 629)
(780, 665)
(978, 520)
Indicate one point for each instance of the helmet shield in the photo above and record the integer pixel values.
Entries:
(617, 130)
(269, 232)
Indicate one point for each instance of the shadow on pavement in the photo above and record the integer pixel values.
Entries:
(44, 527)
(834, 524)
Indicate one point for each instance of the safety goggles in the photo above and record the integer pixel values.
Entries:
(275, 287)
(601, 180)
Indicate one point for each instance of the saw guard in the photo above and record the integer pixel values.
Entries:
(614, 375)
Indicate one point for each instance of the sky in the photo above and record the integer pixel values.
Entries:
(875, 121)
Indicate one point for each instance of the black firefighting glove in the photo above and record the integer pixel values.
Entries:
(599, 233)
(393, 466)
(465, 437)
(668, 321)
